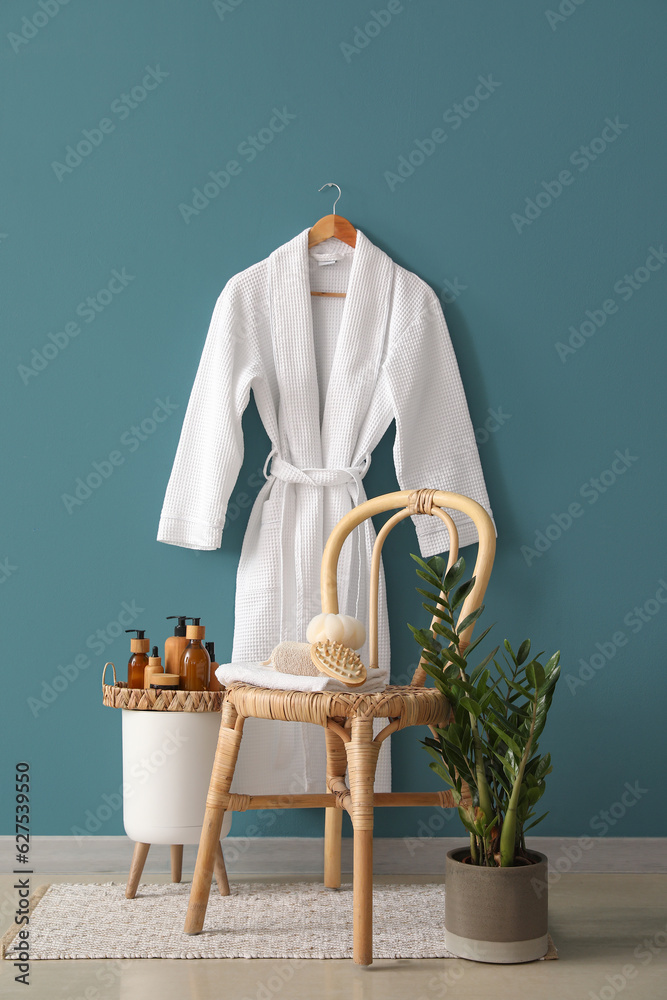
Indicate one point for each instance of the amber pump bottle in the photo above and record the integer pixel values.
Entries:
(138, 662)
(175, 645)
(154, 667)
(195, 663)
(213, 684)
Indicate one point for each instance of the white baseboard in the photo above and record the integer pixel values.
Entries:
(303, 855)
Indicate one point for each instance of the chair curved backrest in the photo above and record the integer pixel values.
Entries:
(410, 502)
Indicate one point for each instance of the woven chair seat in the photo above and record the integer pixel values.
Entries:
(409, 705)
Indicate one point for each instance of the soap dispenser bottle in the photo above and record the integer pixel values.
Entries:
(154, 667)
(175, 645)
(213, 684)
(195, 666)
(138, 661)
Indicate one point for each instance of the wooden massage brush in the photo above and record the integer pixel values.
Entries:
(339, 661)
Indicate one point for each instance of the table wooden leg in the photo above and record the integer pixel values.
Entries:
(138, 861)
(176, 862)
(221, 872)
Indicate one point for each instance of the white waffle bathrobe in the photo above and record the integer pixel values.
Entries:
(329, 375)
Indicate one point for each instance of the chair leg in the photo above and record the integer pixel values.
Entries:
(221, 872)
(138, 861)
(333, 837)
(362, 755)
(333, 821)
(229, 740)
(176, 862)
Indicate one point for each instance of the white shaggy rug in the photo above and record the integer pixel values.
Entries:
(259, 920)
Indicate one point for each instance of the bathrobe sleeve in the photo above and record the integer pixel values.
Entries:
(435, 445)
(210, 449)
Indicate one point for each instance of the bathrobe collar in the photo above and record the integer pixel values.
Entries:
(356, 360)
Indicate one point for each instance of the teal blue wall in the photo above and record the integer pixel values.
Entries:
(513, 289)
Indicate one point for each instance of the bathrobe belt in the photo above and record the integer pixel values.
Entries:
(351, 477)
(320, 477)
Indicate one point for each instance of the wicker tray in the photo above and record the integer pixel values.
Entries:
(118, 695)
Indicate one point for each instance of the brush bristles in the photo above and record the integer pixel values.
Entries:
(336, 660)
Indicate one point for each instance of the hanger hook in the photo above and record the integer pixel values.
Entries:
(330, 184)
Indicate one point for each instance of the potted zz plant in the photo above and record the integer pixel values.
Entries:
(488, 754)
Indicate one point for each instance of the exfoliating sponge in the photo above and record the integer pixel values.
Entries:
(294, 658)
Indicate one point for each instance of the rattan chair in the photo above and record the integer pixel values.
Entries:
(347, 719)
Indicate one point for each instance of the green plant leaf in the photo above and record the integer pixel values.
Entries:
(510, 769)
(431, 594)
(424, 636)
(507, 646)
(447, 653)
(438, 565)
(535, 674)
(427, 571)
(462, 593)
(506, 738)
(500, 777)
(448, 634)
(432, 610)
(518, 710)
(486, 660)
(469, 619)
(465, 819)
(547, 688)
(552, 663)
(440, 761)
(504, 725)
(536, 821)
(454, 574)
(482, 686)
(524, 650)
(434, 672)
(528, 695)
(442, 773)
(479, 639)
(471, 706)
(489, 827)
(433, 660)
(543, 766)
(434, 596)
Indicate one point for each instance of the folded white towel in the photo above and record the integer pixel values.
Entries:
(265, 676)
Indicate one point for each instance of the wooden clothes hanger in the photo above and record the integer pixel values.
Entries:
(328, 226)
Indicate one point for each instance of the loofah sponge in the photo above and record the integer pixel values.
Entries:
(343, 629)
(294, 658)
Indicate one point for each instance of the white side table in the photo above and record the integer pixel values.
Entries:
(169, 740)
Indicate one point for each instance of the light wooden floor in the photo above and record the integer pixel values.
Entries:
(610, 930)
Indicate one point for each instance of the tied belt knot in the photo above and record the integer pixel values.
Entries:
(288, 473)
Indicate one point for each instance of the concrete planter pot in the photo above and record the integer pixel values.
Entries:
(495, 914)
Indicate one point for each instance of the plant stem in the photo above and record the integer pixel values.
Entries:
(483, 790)
(508, 832)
